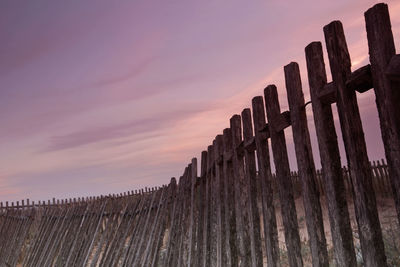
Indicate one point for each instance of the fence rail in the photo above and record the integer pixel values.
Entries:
(227, 216)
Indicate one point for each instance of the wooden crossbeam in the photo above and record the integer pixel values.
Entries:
(393, 68)
(360, 80)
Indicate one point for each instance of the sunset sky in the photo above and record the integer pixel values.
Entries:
(103, 97)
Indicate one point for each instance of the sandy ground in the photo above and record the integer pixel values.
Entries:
(387, 215)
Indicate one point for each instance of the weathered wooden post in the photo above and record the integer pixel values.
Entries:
(213, 208)
(241, 195)
(306, 166)
(200, 204)
(364, 197)
(285, 187)
(251, 181)
(335, 192)
(387, 92)
(218, 189)
(229, 201)
(171, 221)
(265, 176)
(192, 226)
(184, 250)
(206, 223)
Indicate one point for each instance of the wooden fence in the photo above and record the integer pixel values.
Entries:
(227, 216)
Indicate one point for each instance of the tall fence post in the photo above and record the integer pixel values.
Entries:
(251, 181)
(241, 195)
(381, 51)
(200, 204)
(193, 215)
(187, 244)
(193, 209)
(306, 166)
(171, 223)
(285, 187)
(175, 231)
(265, 176)
(214, 244)
(335, 192)
(218, 195)
(364, 197)
(206, 225)
(182, 248)
(229, 201)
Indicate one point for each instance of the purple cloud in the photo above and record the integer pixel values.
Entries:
(107, 133)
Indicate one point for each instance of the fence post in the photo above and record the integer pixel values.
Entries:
(200, 204)
(214, 242)
(173, 223)
(241, 189)
(364, 197)
(181, 220)
(193, 210)
(251, 181)
(306, 166)
(285, 187)
(219, 196)
(206, 217)
(229, 201)
(381, 51)
(335, 192)
(186, 216)
(265, 177)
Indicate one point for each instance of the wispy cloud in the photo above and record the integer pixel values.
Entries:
(135, 71)
(117, 131)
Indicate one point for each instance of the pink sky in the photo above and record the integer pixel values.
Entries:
(102, 97)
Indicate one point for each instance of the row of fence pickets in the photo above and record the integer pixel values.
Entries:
(214, 219)
(379, 168)
(79, 200)
(88, 234)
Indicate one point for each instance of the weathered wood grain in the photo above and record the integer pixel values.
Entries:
(207, 211)
(285, 187)
(387, 89)
(251, 181)
(353, 136)
(200, 204)
(229, 202)
(339, 218)
(218, 195)
(265, 176)
(241, 196)
(306, 166)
